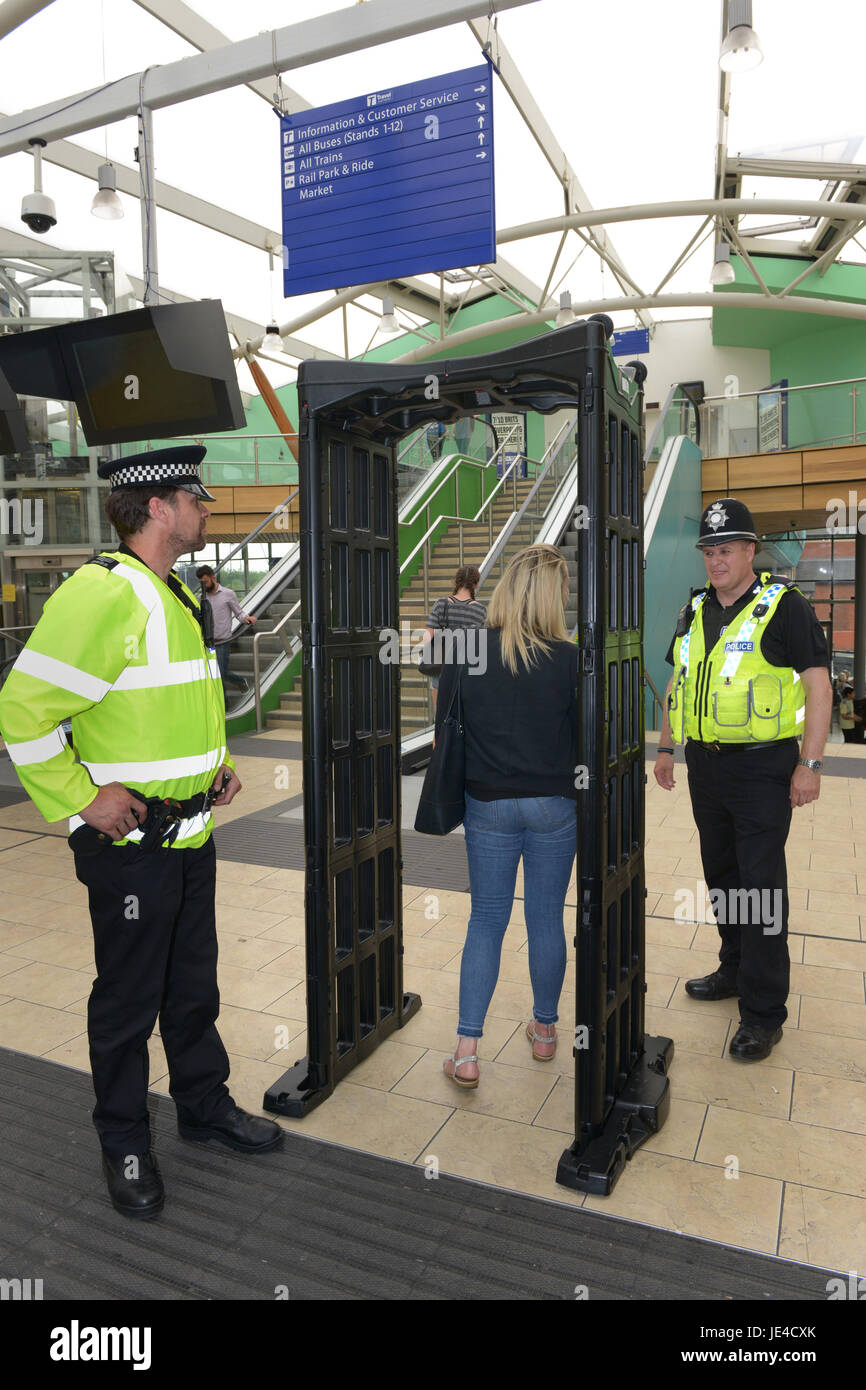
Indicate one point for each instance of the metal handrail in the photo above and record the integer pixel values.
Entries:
(774, 389)
(20, 627)
(290, 648)
(255, 531)
(660, 422)
(476, 463)
(519, 517)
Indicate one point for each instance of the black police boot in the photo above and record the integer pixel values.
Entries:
(134, 1184)
(237, 1129)
(713, 986)
(753, 1044)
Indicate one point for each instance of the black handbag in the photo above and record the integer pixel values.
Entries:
(442, 804)
(432, 668)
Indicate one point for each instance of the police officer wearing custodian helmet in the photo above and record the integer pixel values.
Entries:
(123, 649)
(750, 679)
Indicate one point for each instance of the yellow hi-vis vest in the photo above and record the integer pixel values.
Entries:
(732, 694)
(117, 653)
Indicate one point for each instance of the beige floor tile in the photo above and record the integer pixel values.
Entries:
(663, 932)
(820, 878)
(73, 1053)
(683, 908)
(28, 881)
(826, 983)
(250, 895)
(831, 1102)
(291, 930)
(71, 919)
(417, 923)
(249, 1033)
(253, 953)
(230, 871)
(48, 984)
(831, 1016)
(691, 1032)
(436, 1027)
(799, 1153)
(31, 911)
(78, 1006)
(815, 923)
(840, 955)
(246, 922)
(380, 1122)
(432, 955)
(823, 1228)
(671, 960)
(34, 861)
(34, 1028)
(687, 1197)
(659, 988)
(385, 1067)
(518, 1053)
(521, 1158)
(292, 1004)
(58, 948)
(833, 902)
(512, 1093)
(707, 939)
(248, 1081)
(10, 838)
(661, 864)
(822, 1053)
(292, 961)
(249, 989)
(759, 1088)
(66, 893)
(284, 881)
(446, 901)
(842, 859)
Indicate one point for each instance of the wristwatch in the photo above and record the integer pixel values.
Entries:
(814, 764)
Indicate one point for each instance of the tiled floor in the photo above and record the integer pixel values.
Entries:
(771, 1157)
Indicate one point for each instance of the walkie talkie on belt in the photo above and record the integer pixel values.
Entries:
(159, 827)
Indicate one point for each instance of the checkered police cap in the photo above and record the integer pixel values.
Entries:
(176, 467)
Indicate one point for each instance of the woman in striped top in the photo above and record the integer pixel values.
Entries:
(461, 610)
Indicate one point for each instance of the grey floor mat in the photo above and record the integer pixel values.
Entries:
(320, 1221)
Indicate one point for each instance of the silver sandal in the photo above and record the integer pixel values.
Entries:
(468, 1085)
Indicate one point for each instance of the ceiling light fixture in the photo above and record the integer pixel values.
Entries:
(566, 313)
(106, 203)
(388, 324)
(741, 50)
(272, 341)
(723, 272)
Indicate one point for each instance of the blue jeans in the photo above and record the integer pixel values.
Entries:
(543, 829)
(222, 656)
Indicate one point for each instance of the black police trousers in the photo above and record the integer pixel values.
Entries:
(742, 807)
(154, 930)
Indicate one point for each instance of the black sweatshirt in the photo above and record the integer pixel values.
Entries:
(521, 730)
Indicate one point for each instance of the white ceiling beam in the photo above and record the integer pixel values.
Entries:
(693, 207)
(797, 169)
(576, 199)
(195, 30)
(832, 308)
(15, 12)
(295, 46)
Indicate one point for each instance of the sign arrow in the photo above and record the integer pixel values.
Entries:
(482, 155)
(480, 138)
(481, 122)
(481, 89)
(482, 106)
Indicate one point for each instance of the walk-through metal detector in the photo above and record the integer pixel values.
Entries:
(352, 416)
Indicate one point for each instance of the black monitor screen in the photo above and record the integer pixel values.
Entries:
(129, 383)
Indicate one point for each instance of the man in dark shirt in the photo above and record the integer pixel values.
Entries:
(746, 769)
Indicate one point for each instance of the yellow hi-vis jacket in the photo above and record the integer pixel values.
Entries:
(117, 653)
(732, 694)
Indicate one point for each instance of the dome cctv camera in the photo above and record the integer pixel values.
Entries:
(39, 212)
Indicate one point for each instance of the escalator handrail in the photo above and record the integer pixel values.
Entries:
(256, 529)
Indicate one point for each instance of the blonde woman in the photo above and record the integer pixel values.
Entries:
(520, 719)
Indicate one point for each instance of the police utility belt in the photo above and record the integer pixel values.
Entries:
(159, 827)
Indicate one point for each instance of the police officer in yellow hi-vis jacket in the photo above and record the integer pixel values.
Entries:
(122, 649)
(750, 680)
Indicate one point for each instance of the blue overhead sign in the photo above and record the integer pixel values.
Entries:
(630, 342)
(391, 183)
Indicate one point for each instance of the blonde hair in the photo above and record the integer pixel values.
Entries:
(527, 605)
